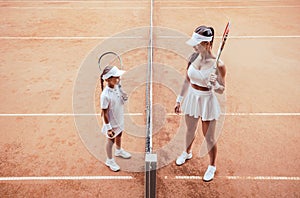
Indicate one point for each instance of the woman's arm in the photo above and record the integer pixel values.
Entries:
(183, 91)
(185, 86)
(220, 83)
(186, 83)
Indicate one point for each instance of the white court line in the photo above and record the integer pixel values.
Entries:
(136, 114)
(266, 178)
(258, 37)
(238, 37)
(261, 114)
(130, 37)
(76, 8)
(215, 1)
(66, 178)
(58, 114)
(225, 7)
(252, 114)
(145, 1)
(66, 37)
(3, 1)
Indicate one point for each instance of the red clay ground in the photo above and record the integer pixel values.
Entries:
(40, 59)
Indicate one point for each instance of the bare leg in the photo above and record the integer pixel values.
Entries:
(191, 124)
(208, 129)
(109, 145)
(118, 141)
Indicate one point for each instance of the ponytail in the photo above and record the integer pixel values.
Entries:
(192, 58)
(101, 81)
(105, 71)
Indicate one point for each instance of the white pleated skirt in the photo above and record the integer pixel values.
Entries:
(202, 104)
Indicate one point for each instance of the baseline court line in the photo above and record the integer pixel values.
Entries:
(261, 114)
(136, 114)
(66, 37)
(252, 114)
(58, 114)
(238, 37)
(225, 7)
(217, 1)
(76, 8)
(66, 178)
(282, 178)
(130, 37)
(145, 1)
(3, 1)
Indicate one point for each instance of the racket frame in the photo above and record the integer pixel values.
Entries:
(220, 49)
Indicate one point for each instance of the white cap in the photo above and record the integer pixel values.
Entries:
(113, 72)
(197, 38)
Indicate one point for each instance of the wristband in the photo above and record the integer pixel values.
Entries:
(108, 126)
(179, 99)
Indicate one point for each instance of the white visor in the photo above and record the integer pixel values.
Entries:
(197, 38)
(114, 72)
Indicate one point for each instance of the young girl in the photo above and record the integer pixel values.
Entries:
(112, 101)
(201, 101)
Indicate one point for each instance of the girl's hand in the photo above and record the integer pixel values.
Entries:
(110, 133)
(124, 96)
(177, 108)
(213, 78)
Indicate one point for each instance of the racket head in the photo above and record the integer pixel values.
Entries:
(223, 40)
(225, 34)
(109, 58)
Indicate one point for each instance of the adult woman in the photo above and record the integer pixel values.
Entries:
(201, 101)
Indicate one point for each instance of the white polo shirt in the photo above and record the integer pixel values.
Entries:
(111, 99)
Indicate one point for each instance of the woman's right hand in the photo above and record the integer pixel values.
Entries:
(177, 108)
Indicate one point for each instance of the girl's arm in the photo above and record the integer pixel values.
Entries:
(108, 127)
(105, 116)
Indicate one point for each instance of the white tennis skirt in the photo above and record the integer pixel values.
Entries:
(202, 104)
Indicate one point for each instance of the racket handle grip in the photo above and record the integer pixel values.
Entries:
(209, 85)
(124, 95)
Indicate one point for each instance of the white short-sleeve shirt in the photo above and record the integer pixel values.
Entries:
(111, 99)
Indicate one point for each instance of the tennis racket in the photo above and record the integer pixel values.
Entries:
(224, 38)
(108, 58)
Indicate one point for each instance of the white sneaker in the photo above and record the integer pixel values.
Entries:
(183, 157)
(122, 153)
(112, 165)
(210, 173)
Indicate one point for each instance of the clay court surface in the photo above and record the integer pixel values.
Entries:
(45, 43)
